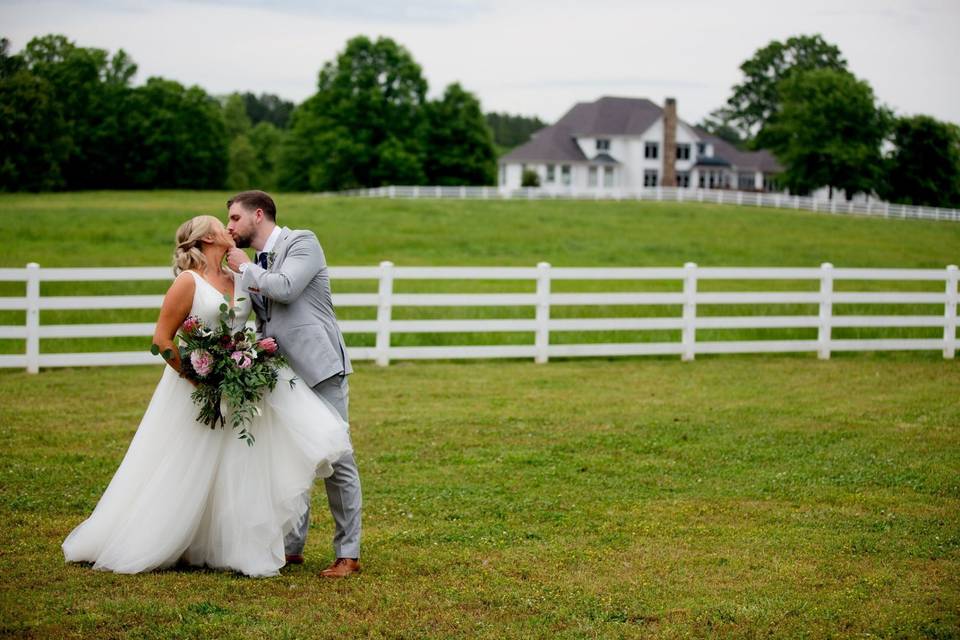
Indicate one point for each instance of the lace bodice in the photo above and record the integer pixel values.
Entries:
(207, 300)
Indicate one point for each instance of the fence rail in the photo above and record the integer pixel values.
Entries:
(541, 301)
(869, 207)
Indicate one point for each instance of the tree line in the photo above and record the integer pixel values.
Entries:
(799, 99)
(71, 119)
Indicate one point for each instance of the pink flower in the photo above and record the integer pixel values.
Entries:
(191, 324)
(243, 360)
(269, 345)
(202, 362)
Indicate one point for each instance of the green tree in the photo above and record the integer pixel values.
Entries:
(268, 108)
(757, 98)
(175, 136)
(828, 132)
(459, 145)
(267, 140)
(924, 168)
(718, 124)
(364, 126)
(33, 137)
(242, 165)
(511, 131)
(235, 117)
(89, 87)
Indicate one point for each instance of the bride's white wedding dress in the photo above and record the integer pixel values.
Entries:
(187, 492)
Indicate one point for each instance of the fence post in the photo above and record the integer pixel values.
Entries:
(950, 314)
(33, 318)
(384, 313)
(542, 337)
(826, 311)
(688, 336)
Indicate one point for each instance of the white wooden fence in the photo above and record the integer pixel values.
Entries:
(541, 300)
(869, 207)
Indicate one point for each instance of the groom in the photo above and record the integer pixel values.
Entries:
(290, 289)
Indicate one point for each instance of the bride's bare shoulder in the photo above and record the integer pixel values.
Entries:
(183, 286)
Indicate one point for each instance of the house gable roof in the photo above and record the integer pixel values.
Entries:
(607, 116)
(613, 116)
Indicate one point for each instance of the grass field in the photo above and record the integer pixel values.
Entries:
(735, 497)
(136, 229)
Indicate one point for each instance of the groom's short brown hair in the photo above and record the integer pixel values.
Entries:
(255, 200)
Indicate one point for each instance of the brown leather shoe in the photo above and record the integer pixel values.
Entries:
(342, 568)
(295, 559)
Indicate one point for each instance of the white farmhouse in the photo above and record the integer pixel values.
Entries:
(630, 143)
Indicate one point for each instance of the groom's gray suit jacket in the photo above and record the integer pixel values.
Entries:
(294, 305)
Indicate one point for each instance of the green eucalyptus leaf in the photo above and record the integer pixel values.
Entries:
(155, 349)
(167, 354)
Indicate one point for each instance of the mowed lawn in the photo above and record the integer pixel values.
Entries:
(775, 496)
(729, 497)
(136, 229)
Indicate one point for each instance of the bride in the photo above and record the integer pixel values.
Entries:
(186, 492)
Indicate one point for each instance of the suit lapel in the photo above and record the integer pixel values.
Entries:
(279, 251)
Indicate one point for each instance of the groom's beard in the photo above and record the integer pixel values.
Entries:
(242, 242)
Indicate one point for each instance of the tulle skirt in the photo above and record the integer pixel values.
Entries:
(187, 492)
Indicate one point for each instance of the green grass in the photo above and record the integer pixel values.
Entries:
(136, 229)
(732, 497)
(641, 497)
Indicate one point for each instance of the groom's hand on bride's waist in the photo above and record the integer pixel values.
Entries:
(237, 257)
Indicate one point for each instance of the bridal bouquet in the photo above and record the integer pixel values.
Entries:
(228, 366)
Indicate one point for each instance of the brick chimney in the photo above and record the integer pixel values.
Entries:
(669, 177)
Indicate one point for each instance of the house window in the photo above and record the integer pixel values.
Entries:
(608, 176)
(651, 150)
(745, 181)
(701, 149)
(770, 182)
(650, 178)
(683, 179)
(565, 174)
(683, 152)
(592, 177)
(603, 144)
(551, 173)
(703, 179)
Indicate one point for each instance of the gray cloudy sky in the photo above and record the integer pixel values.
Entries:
(535, 57)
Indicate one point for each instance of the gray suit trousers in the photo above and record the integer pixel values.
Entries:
(343, 487)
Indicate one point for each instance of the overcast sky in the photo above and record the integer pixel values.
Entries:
(533, 57)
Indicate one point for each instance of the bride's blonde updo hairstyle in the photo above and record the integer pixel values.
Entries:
(189, 251)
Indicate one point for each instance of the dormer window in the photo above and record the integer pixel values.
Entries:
(701, 149)
(603, 144)
(683, 152)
